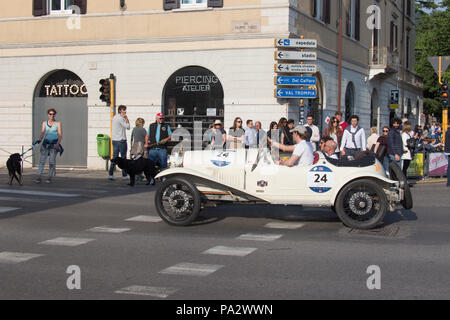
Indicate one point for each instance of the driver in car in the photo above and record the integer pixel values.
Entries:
(303, 154)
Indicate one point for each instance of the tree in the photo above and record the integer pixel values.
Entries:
(432, 39)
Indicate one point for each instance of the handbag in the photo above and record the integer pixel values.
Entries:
(381, 152)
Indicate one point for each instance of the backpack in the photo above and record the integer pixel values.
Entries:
(358, 128)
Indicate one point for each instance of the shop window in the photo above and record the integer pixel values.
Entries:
(177, 4)
(349, 101)
(193, 94)
(46, 7)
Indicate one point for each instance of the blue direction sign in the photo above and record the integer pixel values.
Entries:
(295, 93)
(295, 81)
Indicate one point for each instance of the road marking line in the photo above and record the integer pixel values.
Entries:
(24, 199)
(284, 225)
(109, 230)
(259, 237)
(40, 193)
(158, 292)
(153, 219)
(8, 209)
(17, 257)
(192, 269)
(68, 242)
(230, 251)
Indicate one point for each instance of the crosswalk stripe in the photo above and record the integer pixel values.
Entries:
(40, 193)
(259, 237)
(7, 209)
(17, 257)
(24, 199)
(230, 251)
(68, 242)
(192, 269)
(284, 225)
(145, 219)
(109, 230)
(157, 292)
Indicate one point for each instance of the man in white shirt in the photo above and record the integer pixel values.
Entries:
(120, 124)
(315, 137)
(303, 154)
(250, 135)
(354, 139)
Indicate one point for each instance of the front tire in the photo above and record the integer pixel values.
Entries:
(361, 204)
(177, 201)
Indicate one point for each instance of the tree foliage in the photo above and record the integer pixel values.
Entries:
(432, 39)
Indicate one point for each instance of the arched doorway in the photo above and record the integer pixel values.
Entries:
(315, 106)
(374, 110)
(65, 92)
(349, 101)
(191, 94)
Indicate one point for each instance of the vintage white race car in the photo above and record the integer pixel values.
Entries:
(358, 191)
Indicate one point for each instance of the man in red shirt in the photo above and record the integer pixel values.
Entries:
(342, 124)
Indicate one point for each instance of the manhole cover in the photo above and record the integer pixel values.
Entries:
(389, 231)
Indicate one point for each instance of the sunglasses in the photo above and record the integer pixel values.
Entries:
(385, 130)
(51, 114)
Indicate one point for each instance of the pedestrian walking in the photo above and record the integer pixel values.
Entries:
(353, 139)
(342, 123)
(261, 135)
(381, 149)
(372, 139)
(236, 134)
(315, 136)
(409, 144)
(50, 138)
(250, 135)
(138, 140)
(335, 132)
(395, 143)
(282, 124)
(218, 135)
(156, 139)
(120, 124)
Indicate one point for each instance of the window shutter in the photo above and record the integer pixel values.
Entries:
(327, 11)
(171, 4)
(357, 19)
(39, 8)
(313, 8)
(82, 4)
(215, 3)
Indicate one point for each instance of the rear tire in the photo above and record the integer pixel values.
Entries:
(361, 204)
(177, 201)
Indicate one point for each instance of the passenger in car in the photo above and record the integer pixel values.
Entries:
(303, 151)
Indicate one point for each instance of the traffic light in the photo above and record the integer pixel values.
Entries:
(105, 89)
(444, 94)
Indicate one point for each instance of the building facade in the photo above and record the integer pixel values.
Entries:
(195, 60)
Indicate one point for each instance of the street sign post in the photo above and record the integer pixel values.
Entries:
(296, 43)
(295, 68)
(296, 93)
(296, 55)
(295, 81)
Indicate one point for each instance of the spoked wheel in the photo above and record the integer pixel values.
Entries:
(362, 204)
(177, 202)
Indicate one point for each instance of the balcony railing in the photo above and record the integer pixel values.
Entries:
(383, 58)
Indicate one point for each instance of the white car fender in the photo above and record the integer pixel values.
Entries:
(355, 176)
(195, 173)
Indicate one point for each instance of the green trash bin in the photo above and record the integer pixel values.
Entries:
(103, 144)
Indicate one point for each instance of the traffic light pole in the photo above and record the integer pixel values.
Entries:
(112, 110)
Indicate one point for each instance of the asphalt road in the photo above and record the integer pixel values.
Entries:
(231, 253)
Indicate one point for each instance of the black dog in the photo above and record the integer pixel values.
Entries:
(14, 168)
(134, 167)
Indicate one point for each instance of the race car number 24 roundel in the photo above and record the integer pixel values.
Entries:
(320, 179)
